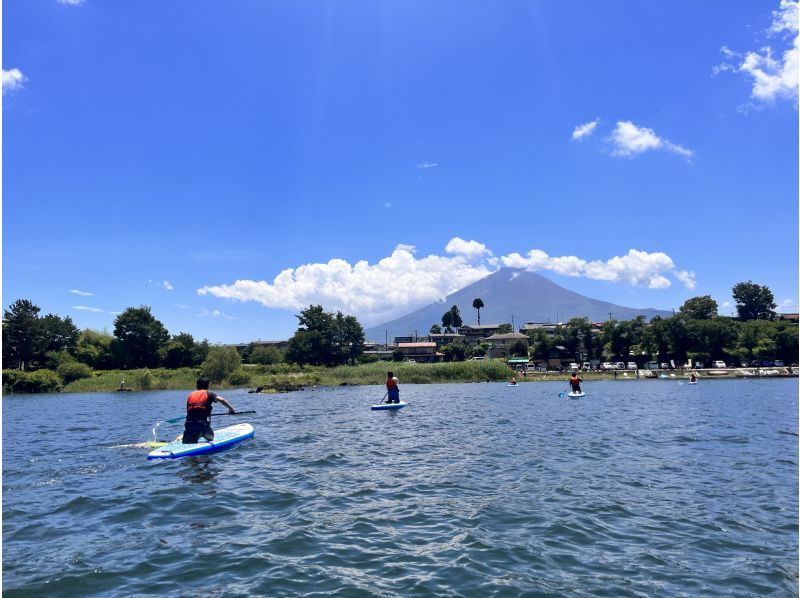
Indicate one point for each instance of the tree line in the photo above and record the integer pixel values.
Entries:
(34, 342)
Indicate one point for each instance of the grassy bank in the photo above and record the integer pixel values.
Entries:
(284, 377)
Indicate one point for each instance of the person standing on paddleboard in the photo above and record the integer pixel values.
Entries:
(198, 412)
(392, 390)
(575, 382)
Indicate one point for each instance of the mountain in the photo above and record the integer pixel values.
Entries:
(528, 296)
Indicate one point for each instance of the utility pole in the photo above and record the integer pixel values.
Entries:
(609, 316)
(512, 323)
(416, 338)
(387, 338)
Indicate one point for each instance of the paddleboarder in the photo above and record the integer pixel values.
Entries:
(392, 390)
(198, 412)
(575, 382)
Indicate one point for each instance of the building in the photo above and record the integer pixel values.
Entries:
(500, 344)
(446, 338)
(423, 352)
(475, 334)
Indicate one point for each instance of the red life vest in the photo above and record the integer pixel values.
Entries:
(390, 383)
(198, 405)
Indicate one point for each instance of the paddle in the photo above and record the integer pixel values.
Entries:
(175, 420)
(384, 397)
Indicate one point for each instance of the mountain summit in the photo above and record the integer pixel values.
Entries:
(530, 297)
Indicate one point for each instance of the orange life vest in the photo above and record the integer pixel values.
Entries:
(198, 405)
(390, 383)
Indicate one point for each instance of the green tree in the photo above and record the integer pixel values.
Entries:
(478, 304)
(180, 351)
(754, 302)
(435, 329)
(220, 363)
(265, 355)
(325, 338)
(518, 349)
(700, 308)
(140, 337)
(447, 321)
(350, 337)
(503, 328)
(21, 333)
(457, 322)
(94, 348)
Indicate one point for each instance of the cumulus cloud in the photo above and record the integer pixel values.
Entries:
(637, 268)
(81, 293)
(403, 282)
(629, 140)
(469, 249)
(773, 73)
(584, 130)
(168, 286)
(12, 80)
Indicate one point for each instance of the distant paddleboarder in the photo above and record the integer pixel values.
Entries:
(575, 382)
(392, 390)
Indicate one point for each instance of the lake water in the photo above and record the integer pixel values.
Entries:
(644, 488)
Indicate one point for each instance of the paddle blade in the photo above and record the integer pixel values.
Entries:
(562, 394)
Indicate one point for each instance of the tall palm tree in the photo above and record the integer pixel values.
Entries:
(478, 304)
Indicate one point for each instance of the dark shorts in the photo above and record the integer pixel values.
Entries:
(394, 395)
(194, 430)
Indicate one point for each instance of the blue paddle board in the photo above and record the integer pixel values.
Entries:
(224, 438)
(385, 406)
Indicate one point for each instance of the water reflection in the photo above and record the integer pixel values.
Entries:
(199, 470)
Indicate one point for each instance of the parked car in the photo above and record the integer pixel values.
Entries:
(586, 366)
(718, 364)
(619, 365)
(632, 365)
(651, 365)
(699, 365)
(476, 358)
(664, 365)
(767, 363)
(574, 367)
(607, 365)
(778, 363)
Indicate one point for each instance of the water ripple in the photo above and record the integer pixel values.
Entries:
(642, 489)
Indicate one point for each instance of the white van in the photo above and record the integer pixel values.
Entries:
(651, 365)
(574, 367)
(718, 364)
(632, 365)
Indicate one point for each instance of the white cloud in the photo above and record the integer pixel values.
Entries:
(687, 278)
(629, 140)
(92, 309)
(584, 130)
(374, 292)
(81, 293)
(637, 268)
(12, 80)
(71, 2)
(773, 72)
(165, 284)
(402, 282)
(426, 165)
(469, 249)
(215, 313)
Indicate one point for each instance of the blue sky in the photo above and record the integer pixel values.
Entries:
(230, 163)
